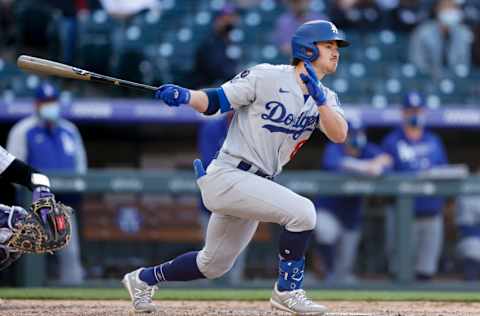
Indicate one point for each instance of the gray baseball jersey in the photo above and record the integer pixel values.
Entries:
(272, 118)
(5, 159)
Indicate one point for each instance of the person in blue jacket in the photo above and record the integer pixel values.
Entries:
(50, 143)
(339, 219)
(415, 149)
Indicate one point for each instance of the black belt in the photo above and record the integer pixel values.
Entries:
(245, 166)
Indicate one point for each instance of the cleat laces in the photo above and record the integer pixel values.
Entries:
(301, 297)
(144, 295)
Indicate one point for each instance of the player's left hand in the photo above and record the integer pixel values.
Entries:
(314, 86)
(173, 95)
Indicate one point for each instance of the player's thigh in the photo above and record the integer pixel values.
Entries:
(226, 238)
(248, 196)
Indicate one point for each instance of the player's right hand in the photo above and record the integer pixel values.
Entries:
(314, 86)
(173, 95)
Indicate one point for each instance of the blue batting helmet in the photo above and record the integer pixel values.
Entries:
(312, 32)
(413, 100)
(46, 92)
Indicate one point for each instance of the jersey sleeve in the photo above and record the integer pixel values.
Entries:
(388, 144)
(241, 90)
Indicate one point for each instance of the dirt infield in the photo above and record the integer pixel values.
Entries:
(230, 308)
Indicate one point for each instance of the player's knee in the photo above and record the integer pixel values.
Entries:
(304, 218)
(212, 266)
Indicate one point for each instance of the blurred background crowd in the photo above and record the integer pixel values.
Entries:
(397, 44)
(398, 48)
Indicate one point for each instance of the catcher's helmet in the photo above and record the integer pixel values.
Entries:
(46, 92)
(312, 32)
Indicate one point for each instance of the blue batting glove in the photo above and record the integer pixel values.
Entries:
(173, 95)
(198, 168)
(314, 86)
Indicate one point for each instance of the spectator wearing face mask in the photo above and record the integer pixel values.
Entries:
(212, 63)
(416, 151)
(339, 219)
(50, 143)
(442, 44)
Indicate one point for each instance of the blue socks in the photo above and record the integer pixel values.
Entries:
(182, 268)
(290, 274)
(293, 246)
(292, 249)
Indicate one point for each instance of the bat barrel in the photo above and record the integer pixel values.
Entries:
(52, 68)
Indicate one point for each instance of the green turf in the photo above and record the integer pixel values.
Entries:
(222, 294)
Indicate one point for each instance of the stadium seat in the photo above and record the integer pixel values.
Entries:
(95, 41)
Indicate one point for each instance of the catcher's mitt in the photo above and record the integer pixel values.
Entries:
(46, 228)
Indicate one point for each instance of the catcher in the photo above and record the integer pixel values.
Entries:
(45, 227)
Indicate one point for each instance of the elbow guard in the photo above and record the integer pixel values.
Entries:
(217, 100)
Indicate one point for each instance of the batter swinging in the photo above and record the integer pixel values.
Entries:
(276, 109)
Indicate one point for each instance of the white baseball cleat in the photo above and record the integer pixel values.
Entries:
(295, 302)
(140, 292)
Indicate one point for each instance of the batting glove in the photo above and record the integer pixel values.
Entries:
(314, 86)
(173, 95)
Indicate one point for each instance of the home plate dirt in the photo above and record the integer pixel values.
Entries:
(232, 308)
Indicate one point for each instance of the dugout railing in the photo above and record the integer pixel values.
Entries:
(403, 188)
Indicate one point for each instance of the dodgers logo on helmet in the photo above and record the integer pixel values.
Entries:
(309, 33)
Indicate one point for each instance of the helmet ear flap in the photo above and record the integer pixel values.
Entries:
(308, 52)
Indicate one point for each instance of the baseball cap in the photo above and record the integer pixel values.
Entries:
(46, 92)
(413, 100)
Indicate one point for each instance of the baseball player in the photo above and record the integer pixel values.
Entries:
(415, 150)
(13, 170)
(339, 218)
(276, 109)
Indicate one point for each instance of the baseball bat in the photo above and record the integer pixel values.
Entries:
(52, 68)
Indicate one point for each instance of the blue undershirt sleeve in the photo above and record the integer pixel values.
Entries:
(217, 100)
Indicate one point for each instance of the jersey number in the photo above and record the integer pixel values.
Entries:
(297, 148)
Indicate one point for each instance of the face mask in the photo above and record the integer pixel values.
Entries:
(50, 112)
(357, 140)
(450, 17)
(416, 120)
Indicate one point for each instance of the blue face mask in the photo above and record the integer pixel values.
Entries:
(416, 120)
(50, 112)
